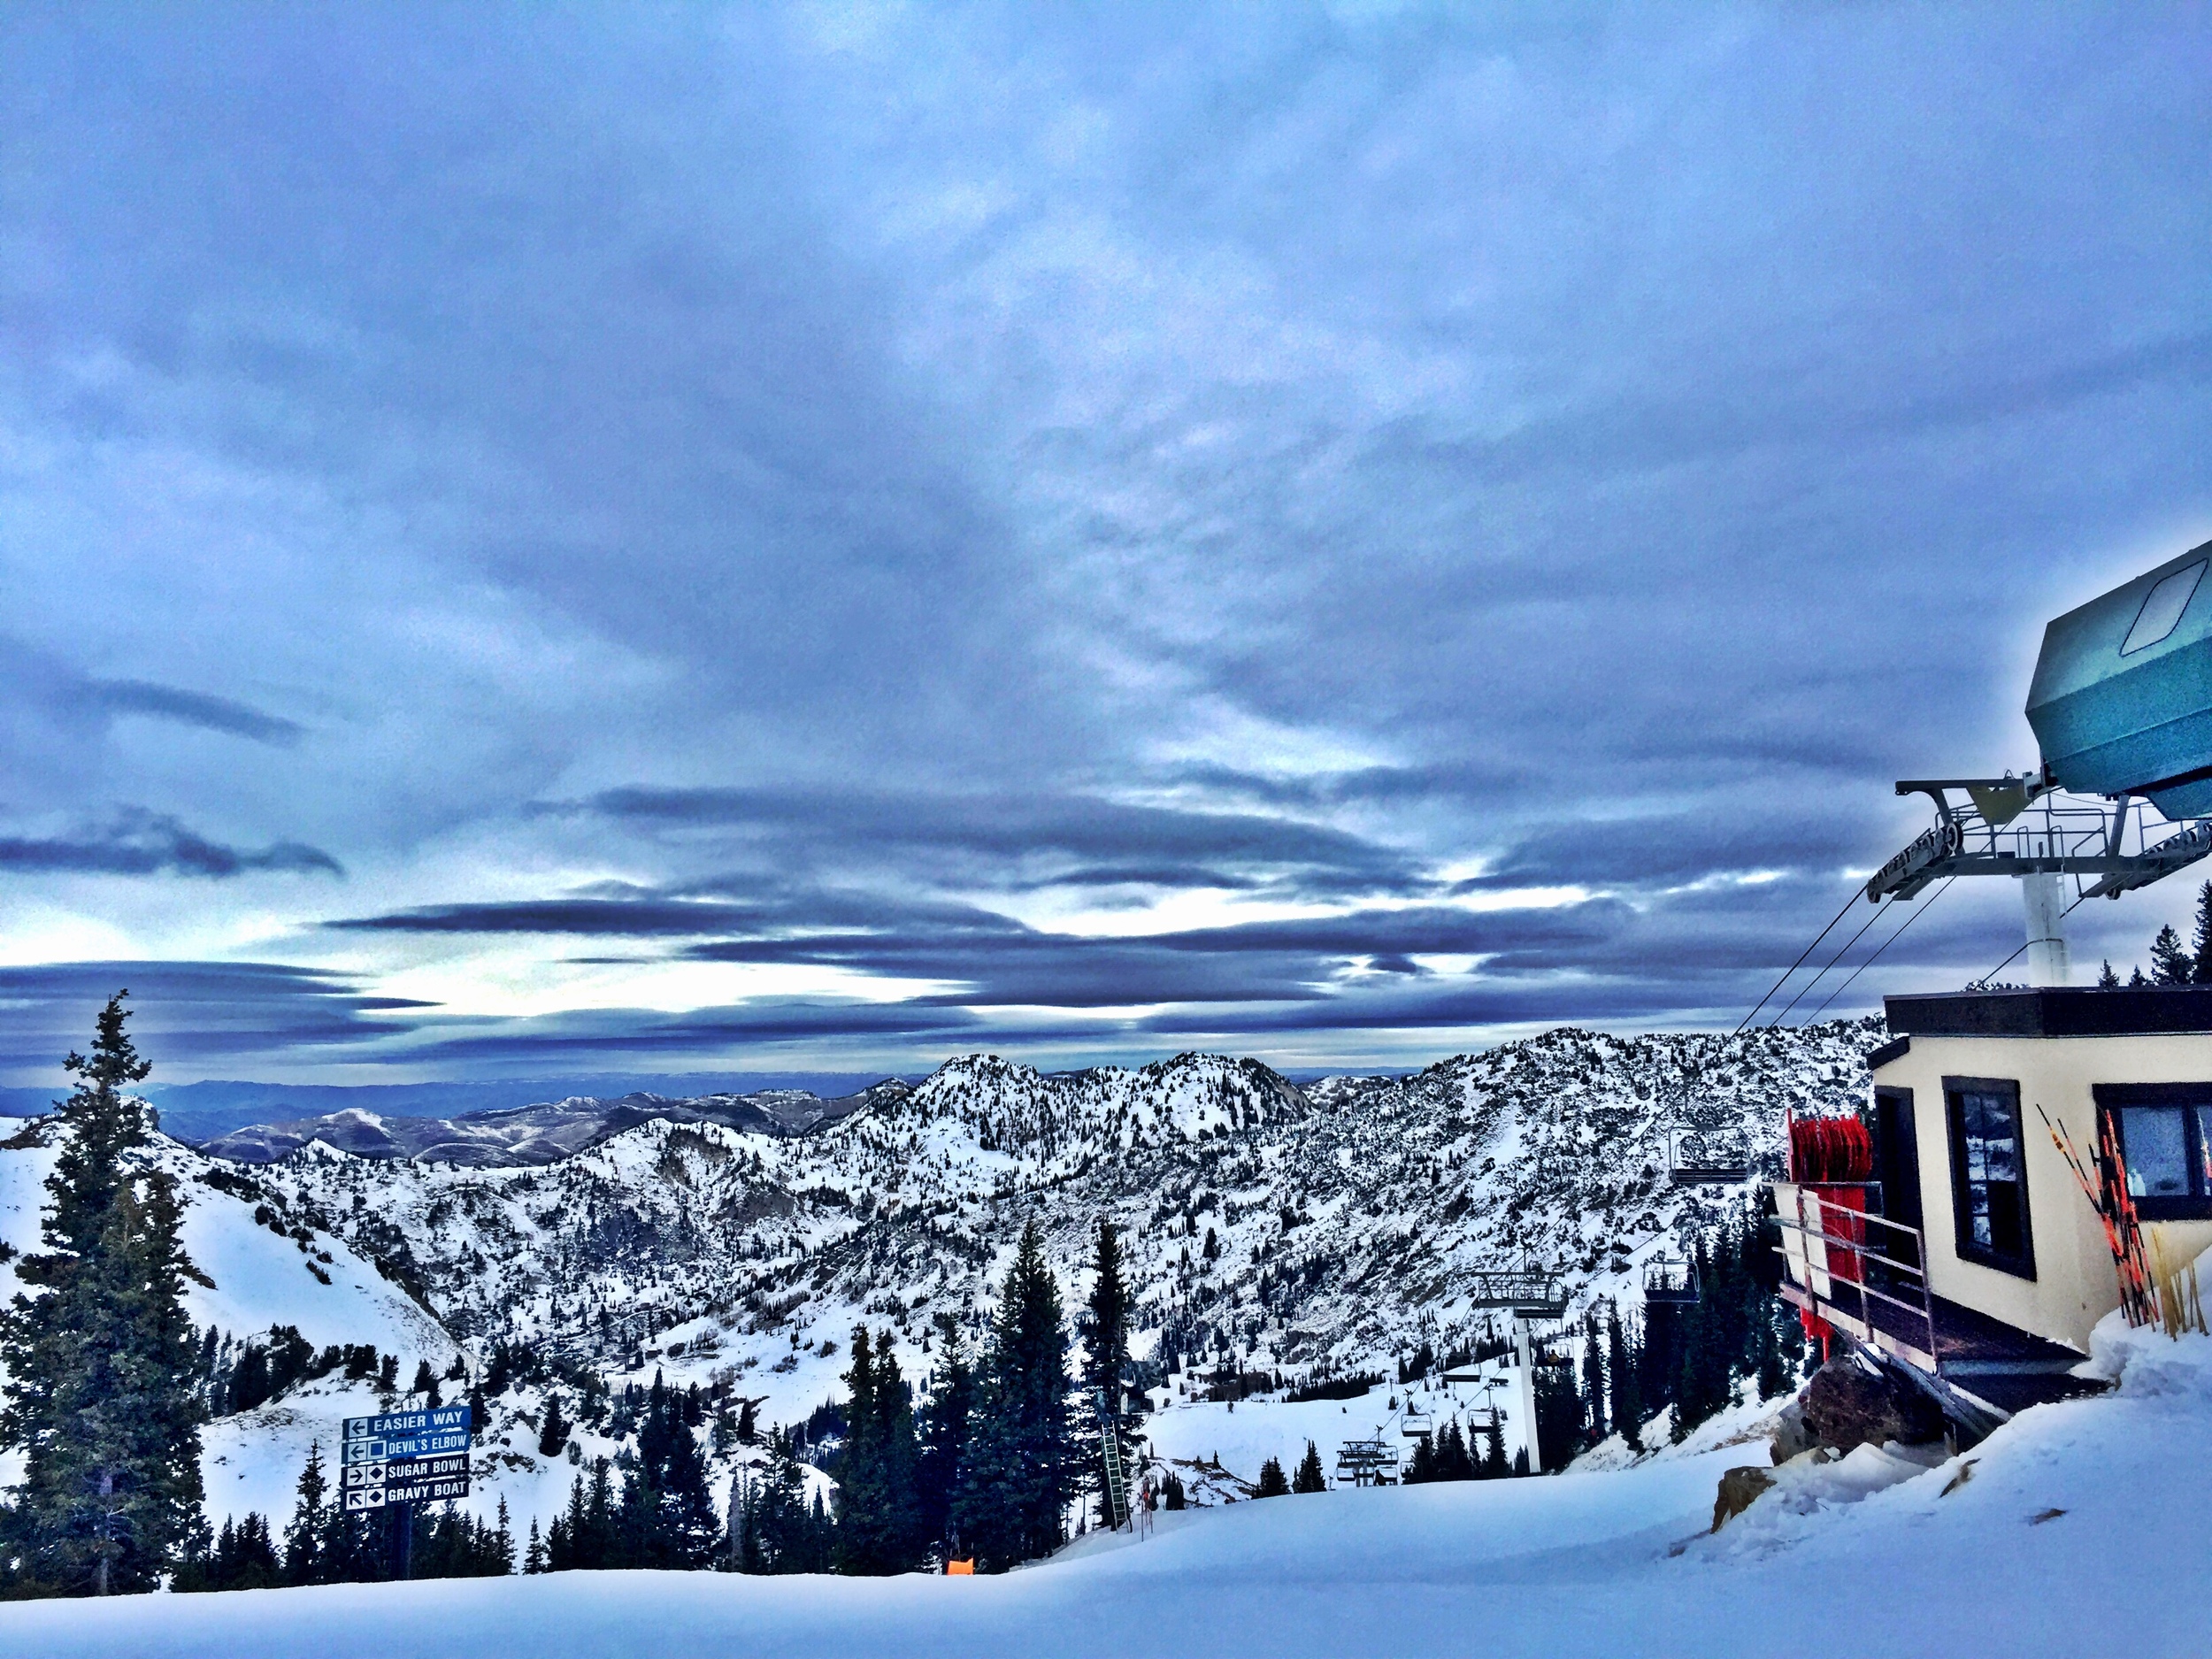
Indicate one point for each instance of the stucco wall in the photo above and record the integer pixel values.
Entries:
(2073, 1284)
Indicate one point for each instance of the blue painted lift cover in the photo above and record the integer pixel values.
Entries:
(2122, 700)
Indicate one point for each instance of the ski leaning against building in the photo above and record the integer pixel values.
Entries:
(2034, 1157)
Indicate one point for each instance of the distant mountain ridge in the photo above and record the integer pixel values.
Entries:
(541, 1132)
(198, 1111)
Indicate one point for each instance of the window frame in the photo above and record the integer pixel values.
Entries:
(2022, 1266)
(2110, 1097)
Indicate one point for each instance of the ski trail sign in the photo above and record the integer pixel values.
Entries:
(406, 1458)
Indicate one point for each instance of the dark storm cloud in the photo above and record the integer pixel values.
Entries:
(141, 844)
(982, 836)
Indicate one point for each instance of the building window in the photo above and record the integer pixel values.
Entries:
(1989, 1178)
(2161, 614)
(2166, 1143)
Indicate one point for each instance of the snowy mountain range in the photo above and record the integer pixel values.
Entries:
(737, 1239)
(535, 1134)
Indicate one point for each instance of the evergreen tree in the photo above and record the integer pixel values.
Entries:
(1275, 1484)
(2201, 956)
(1108, 1328)
(945, 1433)
(425, 1383)
(2106, 979)
(1701, 1386)
(1453, 1460)
(245, 1556)
(1019, 1474)
(534, 1557)
(1623, 1368)
(2170, 965)
(2136, 977)
(553, 1436)
(304, 1539)
(248, 1378)
(1309, 1477)
(879, 1519)
(1171, 1495)
(1558, 1415)
(1494, 1463)
(99, 1392)
(773, 1529)
(1421, 1467)
(666, 1517)
(1659, 1356)
(1594, 1393)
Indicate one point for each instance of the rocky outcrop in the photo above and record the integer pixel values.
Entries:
(1849, 1404)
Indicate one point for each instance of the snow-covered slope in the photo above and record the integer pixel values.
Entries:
(2079, 1529)
(255, 1273)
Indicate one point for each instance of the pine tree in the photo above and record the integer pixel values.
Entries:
(879, 1519)
(534, 1557)
(1594, 1393)
(2106, 979)
(1273, 1482)
(553, 1436)
(1622, 1368)
(425, 1383)
(1453, 1460)
(1309, 1477)
(2136, 977)
(945, 1432)
(1019, 1474)
(666, 1516)
(1494, 1463)
(1421, 1467)
(2201, 956)
(1558, 1415)
(100, 1394)
(2170, 965)
(1108, 1330)
(304, 1539)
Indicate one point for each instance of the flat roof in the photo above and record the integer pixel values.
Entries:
(2128, 1010)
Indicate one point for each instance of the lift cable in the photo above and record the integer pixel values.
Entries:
(1806, 989)
(1800, 963)
(1879, 949)
(2015, 956)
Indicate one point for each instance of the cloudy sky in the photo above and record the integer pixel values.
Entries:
(601, 539)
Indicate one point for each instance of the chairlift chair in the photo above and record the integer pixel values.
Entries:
(1669, 1280)
(1695, 1159)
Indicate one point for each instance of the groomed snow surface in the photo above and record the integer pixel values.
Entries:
(2078, 1529)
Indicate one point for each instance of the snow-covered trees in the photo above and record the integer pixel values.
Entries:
(101, 1366)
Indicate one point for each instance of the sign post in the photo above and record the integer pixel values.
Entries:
(405, 1458)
